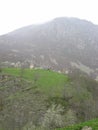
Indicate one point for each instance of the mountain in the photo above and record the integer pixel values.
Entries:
(62, 44)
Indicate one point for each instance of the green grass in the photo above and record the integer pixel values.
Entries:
(92, 123)
(52, 83)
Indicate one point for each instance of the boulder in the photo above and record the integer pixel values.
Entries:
(86, 128)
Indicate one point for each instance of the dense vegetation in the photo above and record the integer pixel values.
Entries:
(43, 99)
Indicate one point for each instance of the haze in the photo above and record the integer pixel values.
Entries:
(18, 13)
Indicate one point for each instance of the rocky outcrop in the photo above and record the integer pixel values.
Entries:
(87, 128)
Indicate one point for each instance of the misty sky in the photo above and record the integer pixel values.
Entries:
(18, 13)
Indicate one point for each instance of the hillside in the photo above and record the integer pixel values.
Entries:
(62, 44)
(43, 99)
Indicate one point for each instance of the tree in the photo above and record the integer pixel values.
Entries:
(53, 117)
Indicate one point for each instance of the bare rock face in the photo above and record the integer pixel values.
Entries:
(86, 128)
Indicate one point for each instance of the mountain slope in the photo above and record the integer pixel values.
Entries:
(61, 44)
(42, 98)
